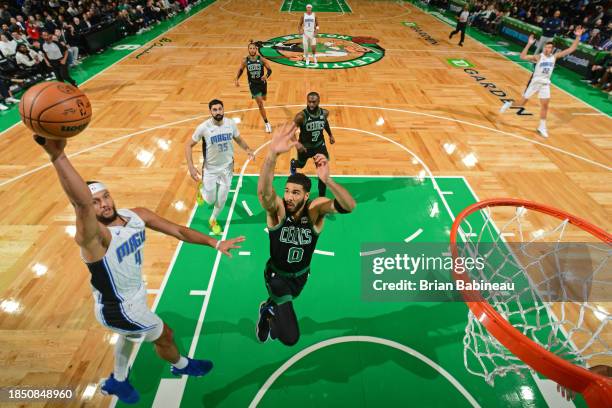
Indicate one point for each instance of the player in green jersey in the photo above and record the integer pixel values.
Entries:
(312, 121)
(258, 82)
(294, 223)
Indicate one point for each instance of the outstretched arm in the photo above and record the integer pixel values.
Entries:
(283, 139)
(344, 201)
(578, 33)
(241, 142)
(524, 53)
(90, 235)
(180, 232)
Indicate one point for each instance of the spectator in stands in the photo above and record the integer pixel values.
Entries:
(32, 29)
(30, 60)
(599, 71)
(7, 47)
(20, 39)
(79, 25)
(126, 26)
(5, 30)
(72, 9)
(56, 57)
(137, 17)
(550, 27)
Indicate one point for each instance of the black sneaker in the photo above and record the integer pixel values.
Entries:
(263, 323)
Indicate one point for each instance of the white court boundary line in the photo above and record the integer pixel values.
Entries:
(523, 138)
(360, 339)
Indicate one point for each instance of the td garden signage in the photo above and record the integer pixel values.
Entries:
(334, 51)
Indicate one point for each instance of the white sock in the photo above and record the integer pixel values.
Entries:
(123, 351)
(543, 123)
(181, 363)
(215, 213)
(222, 194)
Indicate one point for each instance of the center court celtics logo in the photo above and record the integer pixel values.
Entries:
(334, 51)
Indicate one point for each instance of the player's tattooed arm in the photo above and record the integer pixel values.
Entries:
(332, 140)
(239, 74)
(300, 29)
(524, 53)
(299, 120)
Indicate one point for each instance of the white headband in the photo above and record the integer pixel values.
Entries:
(96, 187)
(309, 5)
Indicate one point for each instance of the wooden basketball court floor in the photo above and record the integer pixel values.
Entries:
(409, 115)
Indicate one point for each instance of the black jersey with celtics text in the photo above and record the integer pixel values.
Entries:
(311, 130)
(254, 70)
(292, 244)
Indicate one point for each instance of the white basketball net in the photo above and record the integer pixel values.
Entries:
(548, 280)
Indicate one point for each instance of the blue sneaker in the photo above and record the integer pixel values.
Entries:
(122, 389)
(195, 368)
(292, 168)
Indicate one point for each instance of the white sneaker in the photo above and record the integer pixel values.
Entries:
(505, 106)
(542, 131)
(307, 61)
(10, 99)
(268, 127)
(315, 60)
(3, 107)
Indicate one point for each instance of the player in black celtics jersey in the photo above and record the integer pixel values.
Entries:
(312, 121)
(294, 223)
(258, 82)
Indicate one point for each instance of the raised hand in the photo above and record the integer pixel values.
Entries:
(283, 138)
(226, 246)
(531, 39)
(322, 166)
(579, 31)
(53, 147)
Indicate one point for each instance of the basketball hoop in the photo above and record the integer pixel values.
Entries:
(503, 335)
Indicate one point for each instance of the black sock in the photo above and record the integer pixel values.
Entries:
(265, 120)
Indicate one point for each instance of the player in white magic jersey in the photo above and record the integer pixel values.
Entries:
(540, 79)
(309, 27)
(217, 135)
(111, 243)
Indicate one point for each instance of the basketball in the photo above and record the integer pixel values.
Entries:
(55, 110)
